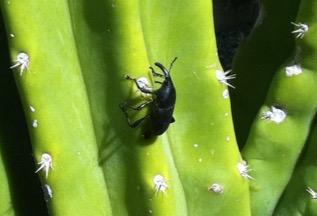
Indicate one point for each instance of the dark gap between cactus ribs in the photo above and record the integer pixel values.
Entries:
(25, 187)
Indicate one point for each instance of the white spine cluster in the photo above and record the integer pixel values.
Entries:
(300, 30)
(293, 70)
(244, 170)
(46, 163)
(216, 188)
(160, 184)
(144, 83)
(275, 114)
(22, 61)
(312, 193)
(48, 193)
(35, 123)
(224, 77)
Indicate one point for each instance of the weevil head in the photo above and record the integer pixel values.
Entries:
(164, 70)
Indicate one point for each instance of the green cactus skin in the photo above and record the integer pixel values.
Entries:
(129, 162)
(259, 56)
(210, 125)
(296, 200)
(16, 162)
(273, 149)
(6, 207)
(127, 38)
(85, 49)
(53, 85)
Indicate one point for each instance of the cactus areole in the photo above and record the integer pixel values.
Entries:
(161, 106)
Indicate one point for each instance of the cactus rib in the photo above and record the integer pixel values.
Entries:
(274, 146)
(54, 87)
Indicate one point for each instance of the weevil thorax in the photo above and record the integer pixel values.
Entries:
(166, 94)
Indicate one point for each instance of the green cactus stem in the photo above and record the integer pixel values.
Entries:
(20, 189)
(6, 207)
(295, 199)
(258, 58)
(203, 139)
(54, 98)
(199, 149)
(281, 128)
(70, 59)
(300, 194)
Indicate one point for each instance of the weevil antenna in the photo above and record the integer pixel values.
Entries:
(171, 65)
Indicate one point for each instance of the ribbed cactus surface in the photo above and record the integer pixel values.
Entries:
(71, 60)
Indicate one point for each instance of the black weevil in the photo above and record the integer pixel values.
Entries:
(161, 107)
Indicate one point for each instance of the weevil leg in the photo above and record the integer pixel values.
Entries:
(124, 106)
(155, 74)
(137, 122)
(138, 108)
(141, 88)
(159, 82)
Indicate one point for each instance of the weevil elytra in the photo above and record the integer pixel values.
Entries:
(161, 107)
